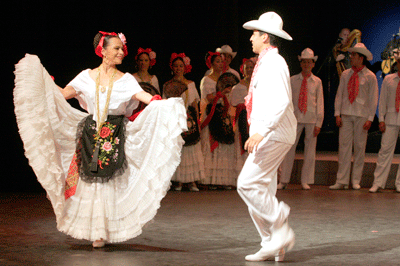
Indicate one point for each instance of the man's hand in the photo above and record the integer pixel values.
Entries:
(252, 143)
(382, 127)
(339, 121)
(367, 125)
(316, 131)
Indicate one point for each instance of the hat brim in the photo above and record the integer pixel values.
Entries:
(256, 25)
(313, 58)
(362, 51)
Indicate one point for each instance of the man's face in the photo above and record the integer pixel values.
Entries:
(257, 41)
(355, 59)
(307, 65)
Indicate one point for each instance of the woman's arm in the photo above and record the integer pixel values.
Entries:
(143, 97)
(68, 92)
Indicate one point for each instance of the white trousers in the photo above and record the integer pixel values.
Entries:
(310, 144)
(351, 133)
(385, 157)
(257, 184)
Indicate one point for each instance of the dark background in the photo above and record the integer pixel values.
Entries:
(61, 34)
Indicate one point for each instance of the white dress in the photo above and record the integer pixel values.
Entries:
(117, 210)
(219, 165)
(153, 82)
(191, 167)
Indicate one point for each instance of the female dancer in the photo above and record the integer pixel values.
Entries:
(145, 59)
(109, 183)
(218, 151)
(191, 168)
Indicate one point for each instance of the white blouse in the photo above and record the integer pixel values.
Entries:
(121, 102)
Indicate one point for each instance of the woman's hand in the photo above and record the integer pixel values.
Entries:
(68, 92)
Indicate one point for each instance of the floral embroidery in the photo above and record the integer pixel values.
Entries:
(108, 145)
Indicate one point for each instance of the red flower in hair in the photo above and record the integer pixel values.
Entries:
(101, 42)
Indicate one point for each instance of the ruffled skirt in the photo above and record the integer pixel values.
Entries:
(117, 210)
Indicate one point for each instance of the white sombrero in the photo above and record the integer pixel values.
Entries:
(307, 54)
(269, 22)
(226, 49)
(361, 49)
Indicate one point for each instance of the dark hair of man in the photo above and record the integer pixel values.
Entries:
(273, 39)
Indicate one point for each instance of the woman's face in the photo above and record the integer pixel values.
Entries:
(248, 68)
(114, 52)
(178, 68)
(143, 62)
(218, 64)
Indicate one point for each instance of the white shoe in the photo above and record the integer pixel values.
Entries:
(263, 255)
(374, 189)
(305, 186)
(398, 189)
(281, 186)
(356, 186)
(338, 186)
(193, 187)
(281, 240)
(99, 243)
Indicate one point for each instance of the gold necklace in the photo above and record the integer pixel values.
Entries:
(102, 119)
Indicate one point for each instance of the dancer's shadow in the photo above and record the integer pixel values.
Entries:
(122, 247)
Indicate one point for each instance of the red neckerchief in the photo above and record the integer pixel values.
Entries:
(248, 100)
(352, 86)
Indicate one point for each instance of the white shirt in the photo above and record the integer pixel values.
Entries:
(387, 100)
(272, 113)
(315, 100)
(121, 102)
(367, 99)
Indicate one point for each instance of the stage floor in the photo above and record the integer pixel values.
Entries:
(213, 228)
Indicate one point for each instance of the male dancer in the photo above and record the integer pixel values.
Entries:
(389, 125)
(272, 133)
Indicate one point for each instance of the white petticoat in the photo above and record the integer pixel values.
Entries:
(191, 167)
(117, 210)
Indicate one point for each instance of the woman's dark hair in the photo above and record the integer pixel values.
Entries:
(212, 57)
(97, 39)
(178, 58)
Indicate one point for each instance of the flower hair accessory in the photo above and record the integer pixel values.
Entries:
(152, 55)
(208, 59)
(252, 59)
(101, 42)
(185, 59)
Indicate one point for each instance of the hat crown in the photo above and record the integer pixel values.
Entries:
(226, 49)
(307, 53)
(272, 19)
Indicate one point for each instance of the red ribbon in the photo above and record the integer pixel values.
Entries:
(213, 143)
(101, 42)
